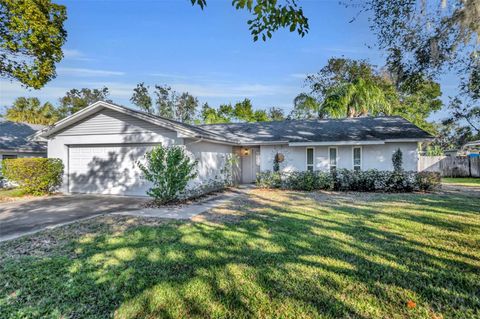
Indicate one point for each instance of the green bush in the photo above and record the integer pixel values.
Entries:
(34, 176)
(428, 181)
(350, 180)
(169, 169)
(269, 179)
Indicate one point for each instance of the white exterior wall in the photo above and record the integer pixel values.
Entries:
(211, 159)
(373, 156)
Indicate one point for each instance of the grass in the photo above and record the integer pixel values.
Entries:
(462, 181)
(10, 194)
(276, 254)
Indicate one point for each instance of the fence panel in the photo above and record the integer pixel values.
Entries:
(450, 166)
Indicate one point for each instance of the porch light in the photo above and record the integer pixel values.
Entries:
(246, 151)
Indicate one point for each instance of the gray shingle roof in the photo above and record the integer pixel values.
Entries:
(14, 137)
(351, 129)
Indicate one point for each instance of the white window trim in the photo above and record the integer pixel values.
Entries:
(336, 159)
(306, 158)
(353, 157)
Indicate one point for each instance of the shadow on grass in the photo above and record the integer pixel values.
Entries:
(288, 255)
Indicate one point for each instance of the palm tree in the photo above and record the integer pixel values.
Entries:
(355, 99)
(30, 110)
(306, 106)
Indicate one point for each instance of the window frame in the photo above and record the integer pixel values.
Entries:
(312, 165)
(329, 157)
(353, 157)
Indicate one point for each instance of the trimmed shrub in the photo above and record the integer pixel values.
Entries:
(397, 161)
(36, 176)
(303, 181)
(428, 181)
(169, 169)
(269, 179)
(350, 180)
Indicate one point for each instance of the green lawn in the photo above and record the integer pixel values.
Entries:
(462, 181)
(275, 255)
(9, 194)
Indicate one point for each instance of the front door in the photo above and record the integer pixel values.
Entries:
(250, 165)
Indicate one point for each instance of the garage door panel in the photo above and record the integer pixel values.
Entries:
(108, 169)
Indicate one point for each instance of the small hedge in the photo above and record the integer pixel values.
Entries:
(34, 176)
(349, 180)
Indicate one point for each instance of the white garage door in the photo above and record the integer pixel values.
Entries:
(107, 169)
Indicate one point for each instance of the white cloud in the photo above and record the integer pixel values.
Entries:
(121, 92)
(9, 91)
(171, 76)
(73, 54)
(299, 75)
(233, 90)
(80, 72)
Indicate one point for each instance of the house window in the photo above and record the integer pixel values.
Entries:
(357, 158)
(332, 157)
(310, 159)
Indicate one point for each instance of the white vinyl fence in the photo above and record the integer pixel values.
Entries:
(450, 166)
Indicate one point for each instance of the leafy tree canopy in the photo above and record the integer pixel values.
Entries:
(241, 112)
(75, 100)
(30, 110)
(167, 102)
(350, 88)
(269, 16)
(31, 37)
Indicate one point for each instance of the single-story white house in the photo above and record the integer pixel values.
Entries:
(15, 141)
(101, 144)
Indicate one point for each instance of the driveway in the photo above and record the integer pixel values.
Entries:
(23, 217)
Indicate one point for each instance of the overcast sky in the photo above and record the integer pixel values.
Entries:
(209, 53)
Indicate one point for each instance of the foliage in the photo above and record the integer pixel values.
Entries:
(350, 180)
(34, 176)
(397, 160)
(306, 106)
(32, 34)
(358, 98)
(142, 99)
(30, 110)
(76, 100)
(308, 181)
(210, 115)
(434, 150)
(428, 181)
(269, 16)
(168, 103)
(275, 114)
(269, 179)
(464, 111)
(170, 169)
(449, 43)
(241, 112)
(452, 136)
(416, 99)
(352, 88)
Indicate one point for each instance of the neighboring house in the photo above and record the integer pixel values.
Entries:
(15, 141)
(472, 148)
(101, 144)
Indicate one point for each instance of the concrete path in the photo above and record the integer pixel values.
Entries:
(186, 211)
(24, 217)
